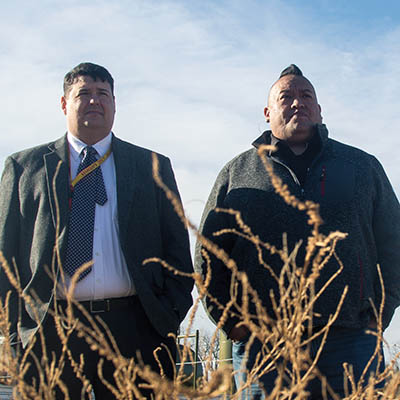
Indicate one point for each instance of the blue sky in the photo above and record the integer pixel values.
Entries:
(192, 77)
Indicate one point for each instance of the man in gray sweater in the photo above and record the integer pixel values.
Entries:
(355, 198)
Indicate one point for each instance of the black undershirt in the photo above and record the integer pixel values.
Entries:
(297, 163)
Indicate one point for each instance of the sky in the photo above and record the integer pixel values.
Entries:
(191, 78)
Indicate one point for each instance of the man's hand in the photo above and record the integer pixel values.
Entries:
(238, 333)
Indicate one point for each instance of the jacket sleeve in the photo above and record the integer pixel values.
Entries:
(176, 247)
(213, 221)
(386, 227)
(9, 238)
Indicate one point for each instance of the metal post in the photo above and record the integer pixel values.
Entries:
(225, 354)
(196, 352)
(195, 368)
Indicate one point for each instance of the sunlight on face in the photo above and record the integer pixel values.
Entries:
(293, 109)
(90, 108)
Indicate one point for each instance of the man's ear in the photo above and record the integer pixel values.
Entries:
(64, 105)
(266, 114)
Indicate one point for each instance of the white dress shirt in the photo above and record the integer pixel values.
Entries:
(109, 276)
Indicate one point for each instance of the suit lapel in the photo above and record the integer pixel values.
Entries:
(60, 192)
(125, 170)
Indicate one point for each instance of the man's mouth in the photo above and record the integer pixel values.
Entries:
(96, 112)
(300, 116)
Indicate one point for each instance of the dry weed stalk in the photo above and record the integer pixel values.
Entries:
(284, 338)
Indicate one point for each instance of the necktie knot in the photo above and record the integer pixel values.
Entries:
(89, 154)
(90, 150)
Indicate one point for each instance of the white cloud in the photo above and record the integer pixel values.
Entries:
(191, 81)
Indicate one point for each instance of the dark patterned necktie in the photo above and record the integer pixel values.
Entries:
(87, 192)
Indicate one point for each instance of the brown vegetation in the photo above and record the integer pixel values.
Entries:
(284, 335)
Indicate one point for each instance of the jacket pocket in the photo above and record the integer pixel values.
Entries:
(154, 276)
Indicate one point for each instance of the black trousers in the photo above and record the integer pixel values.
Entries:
(134, 336)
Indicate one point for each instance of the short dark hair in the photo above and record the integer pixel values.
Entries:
(87, 69)
(292, 69)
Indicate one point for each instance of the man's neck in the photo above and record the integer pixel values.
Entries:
(298, 148)
(89, 137)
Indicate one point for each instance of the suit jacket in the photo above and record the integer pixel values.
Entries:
(34, 197)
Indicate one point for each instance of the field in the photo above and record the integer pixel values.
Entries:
(287, 335)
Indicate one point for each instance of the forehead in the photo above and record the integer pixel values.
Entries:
(86, 81)
(291, 83)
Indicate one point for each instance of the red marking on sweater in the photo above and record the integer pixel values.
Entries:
(322, 179)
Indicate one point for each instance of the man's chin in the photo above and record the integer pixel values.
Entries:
(299, 137)
(93, 123)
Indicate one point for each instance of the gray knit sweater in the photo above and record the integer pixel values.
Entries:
(355, 197)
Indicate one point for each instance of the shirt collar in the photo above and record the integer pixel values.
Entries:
(76, 146)
(274, 140)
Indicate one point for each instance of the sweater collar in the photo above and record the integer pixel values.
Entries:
(265, 138)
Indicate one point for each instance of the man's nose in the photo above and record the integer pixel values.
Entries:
(297, 102)
(94, 99)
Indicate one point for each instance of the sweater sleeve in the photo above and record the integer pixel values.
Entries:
(386, 227)
(213, 221)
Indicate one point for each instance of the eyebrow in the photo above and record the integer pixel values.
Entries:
(302, 90)
(306, 90)
(100, 90)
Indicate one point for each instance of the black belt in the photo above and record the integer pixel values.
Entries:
(104, 305)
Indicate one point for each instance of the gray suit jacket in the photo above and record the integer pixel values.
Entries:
(34, 222)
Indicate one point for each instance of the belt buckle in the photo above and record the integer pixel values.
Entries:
(99, 306)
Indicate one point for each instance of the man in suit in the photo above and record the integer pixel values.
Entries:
(51, 219)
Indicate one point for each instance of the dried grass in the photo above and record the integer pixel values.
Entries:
(284, 335)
